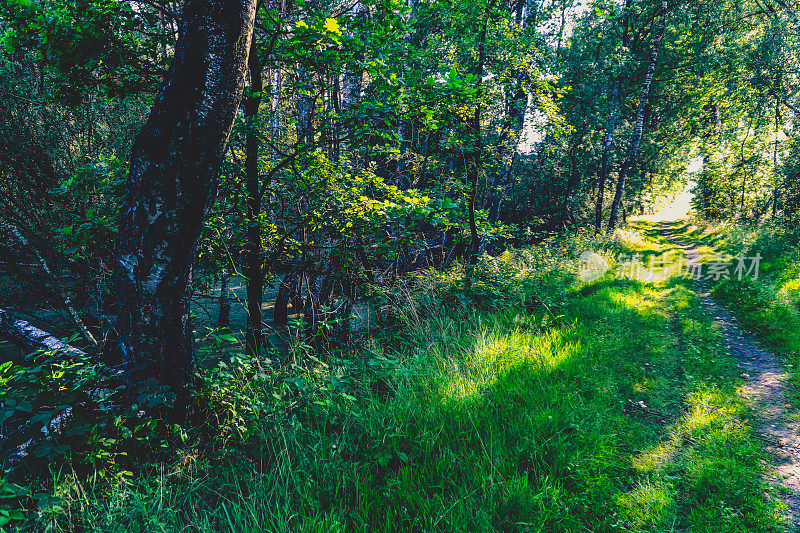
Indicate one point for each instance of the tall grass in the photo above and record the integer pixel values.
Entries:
(769, 305)
(530, 402)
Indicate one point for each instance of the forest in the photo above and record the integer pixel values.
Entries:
(399, 265)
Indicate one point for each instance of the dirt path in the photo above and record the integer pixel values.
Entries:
(765, 386)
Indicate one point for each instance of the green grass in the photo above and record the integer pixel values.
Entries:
(531, 403)
(770, 305)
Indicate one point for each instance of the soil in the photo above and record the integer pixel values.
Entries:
(765, 386)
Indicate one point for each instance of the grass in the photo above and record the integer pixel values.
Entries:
(531, 403)
(770, 305)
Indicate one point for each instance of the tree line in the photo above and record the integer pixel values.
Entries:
(152, 149)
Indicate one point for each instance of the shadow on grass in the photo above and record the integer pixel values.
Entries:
(549, 431)
(608, 409)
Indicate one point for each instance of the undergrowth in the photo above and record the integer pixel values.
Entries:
(528, 402)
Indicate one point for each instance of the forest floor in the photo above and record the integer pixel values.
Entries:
(530, 402)
(766, 380)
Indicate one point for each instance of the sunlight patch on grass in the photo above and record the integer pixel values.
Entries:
(651, 504)
(494, 354)
(530, 402)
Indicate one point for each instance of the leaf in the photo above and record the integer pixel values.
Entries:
(82, 429)
(332, 25)
(43, 449)
(12, 490)
(61, 449)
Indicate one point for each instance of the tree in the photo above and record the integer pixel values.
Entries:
(253, 269)
(173, 177)
(639, 128)
(612, 120)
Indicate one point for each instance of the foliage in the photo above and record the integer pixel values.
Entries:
(505, 397)
(59, 409)
(535, 411)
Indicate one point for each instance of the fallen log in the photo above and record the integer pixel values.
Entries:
(30, 338)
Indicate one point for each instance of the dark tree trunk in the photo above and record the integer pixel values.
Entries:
(516, 102)
(286, 290)
(473, 169)
(224, 316)
(173, 180)
(639, 129)
(304, 106)
(513, 120)
(253, 269)
(572, 182)
(320, 293)
(353, 78)
(612, 126)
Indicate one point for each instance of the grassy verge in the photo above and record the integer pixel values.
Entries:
(770, 305)
(533, 402)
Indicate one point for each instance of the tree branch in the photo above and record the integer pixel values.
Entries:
(64, 297)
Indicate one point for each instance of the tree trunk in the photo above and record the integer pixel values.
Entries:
(473, 168)
(274, 119)
(349, 92)
(353, 78)
(572, 182)
(287, 291)
(224, 316)
(513, 121)
(253, 269)
(612, 125)
(516, 103)
(639, 129)
(174, 170)
(304, 106)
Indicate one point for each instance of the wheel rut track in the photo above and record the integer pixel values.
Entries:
(766, 384)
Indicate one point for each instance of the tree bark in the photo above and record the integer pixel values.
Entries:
(353, 78)
(286, 289)
(513, 121)
(572, 182)
(508, 142)
(612, 125)
(473, 169)
(639, 129)
(174, 171)
(304, 107)
(253, 270)
(224, 316)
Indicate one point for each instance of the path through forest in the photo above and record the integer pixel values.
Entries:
(765, 386)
